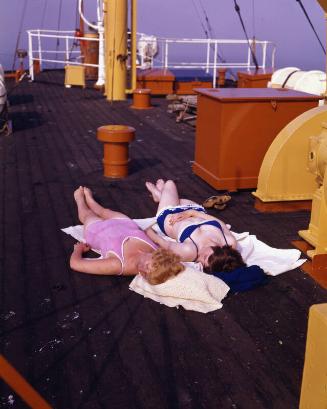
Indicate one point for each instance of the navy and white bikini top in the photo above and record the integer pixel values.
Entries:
(186, 233)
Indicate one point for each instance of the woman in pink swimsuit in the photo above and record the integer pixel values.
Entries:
(125, 248)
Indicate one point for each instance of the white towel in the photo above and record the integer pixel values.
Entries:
(201, 292)
(191, 289)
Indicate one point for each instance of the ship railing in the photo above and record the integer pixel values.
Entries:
(67, 51)
(212, 51)
(38, 49)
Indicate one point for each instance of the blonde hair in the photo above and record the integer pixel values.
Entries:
(165, 265)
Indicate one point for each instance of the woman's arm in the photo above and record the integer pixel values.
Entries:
(177, 217)
(103, 266)
(156, 238)
(186, 251)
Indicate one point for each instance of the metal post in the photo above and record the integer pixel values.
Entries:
(208, 55)
(134, 45)
(39, 48)
(166, 54)
(116, 50)
(101, 69)
(249, 55)
(67, 52)
(264, 54)
(214, 67)
(30, 56)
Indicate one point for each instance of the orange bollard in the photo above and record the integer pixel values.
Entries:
(36, 67)
(141, 98)
(221, 77)
(116, 140)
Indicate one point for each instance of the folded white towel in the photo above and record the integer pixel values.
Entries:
(201, 292)
(191, 289)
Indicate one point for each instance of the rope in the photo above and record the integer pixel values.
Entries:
(288, 77)
(207, 20)
(58, 27)
(309, 21)
(238, 11)
(76, 15)
(199, 17)
(207, 31)
(19, 33)
(253, 19)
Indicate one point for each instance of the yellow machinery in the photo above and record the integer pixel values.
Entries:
(314, 381)
(316, 235)
(295, 168)
(283, 174)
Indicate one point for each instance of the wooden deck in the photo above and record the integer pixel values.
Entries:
(89, 342)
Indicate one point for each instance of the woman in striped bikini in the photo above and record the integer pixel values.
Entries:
(199, 236)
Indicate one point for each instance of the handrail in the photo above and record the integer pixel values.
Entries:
(210, 52)
(209, 62)
(38, 53)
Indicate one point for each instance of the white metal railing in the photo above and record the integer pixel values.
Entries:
(38, 50)
(211, 48)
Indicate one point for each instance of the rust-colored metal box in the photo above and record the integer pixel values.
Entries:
(253, 78)
(187, 87)
(160, 81)
(235, 127)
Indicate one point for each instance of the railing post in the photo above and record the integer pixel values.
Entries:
(273, 57)
(166, 55)
(264, 51)
(214, 67)
(30, 56)
(39, 48)
(67, 53)
(208, 55)
(249, 55)
(101, 69)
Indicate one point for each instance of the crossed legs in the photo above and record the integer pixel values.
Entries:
(166, 194)
(89, 210)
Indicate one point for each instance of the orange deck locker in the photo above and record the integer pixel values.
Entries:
(235, 127)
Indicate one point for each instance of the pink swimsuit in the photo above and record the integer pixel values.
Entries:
(109, 236)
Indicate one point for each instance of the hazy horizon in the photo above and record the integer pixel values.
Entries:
(281, 21)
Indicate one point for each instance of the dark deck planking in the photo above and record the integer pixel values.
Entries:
(88, 342)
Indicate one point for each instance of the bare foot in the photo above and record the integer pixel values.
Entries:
(88, 195)
(79, 194)
(155, 192)
(160, 184)
(88, 192)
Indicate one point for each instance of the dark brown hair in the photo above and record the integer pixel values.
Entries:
(224, 259)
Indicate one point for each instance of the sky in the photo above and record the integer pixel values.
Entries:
(280, 21)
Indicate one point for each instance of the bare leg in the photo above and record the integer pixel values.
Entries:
(100, 211)
(169, 190)
(169, 195)
(155, 189)
(187, 202)
(160, 184)
(85, 214)
(155, 192)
